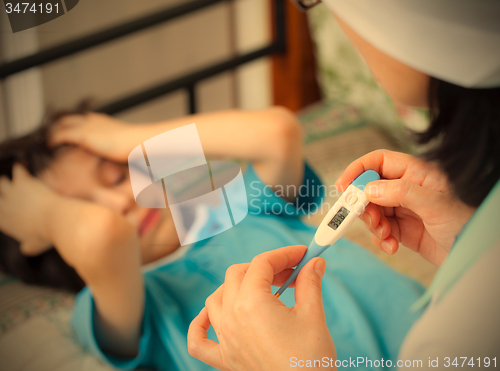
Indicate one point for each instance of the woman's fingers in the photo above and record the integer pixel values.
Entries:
(390, 245)
(232, 282)
(281, 277)
(234, 278)
(371, 216)
(376, 222)
(213, 304)
(383, 229)
(384, 235)
(388, 211)
(261, 272)
(389, 164)
(199, 346)
(308, 293)
(403, 193)
(272, 267)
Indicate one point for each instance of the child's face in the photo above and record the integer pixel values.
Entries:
(77, 173)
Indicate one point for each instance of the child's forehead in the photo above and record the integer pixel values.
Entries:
(71, 170)
(72, 157)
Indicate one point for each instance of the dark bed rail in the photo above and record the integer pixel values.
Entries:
(187, 82)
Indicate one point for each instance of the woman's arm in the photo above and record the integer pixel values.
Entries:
(100, 244)
(271, 138)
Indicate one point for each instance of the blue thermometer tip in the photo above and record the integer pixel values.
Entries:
(368, 176)
(313, 251)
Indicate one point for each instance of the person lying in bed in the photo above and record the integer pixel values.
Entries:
(69, 219)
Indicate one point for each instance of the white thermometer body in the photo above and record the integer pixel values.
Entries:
(337, 221)
(344, 212)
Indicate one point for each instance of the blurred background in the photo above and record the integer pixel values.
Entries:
(158, 59)
(139, 60)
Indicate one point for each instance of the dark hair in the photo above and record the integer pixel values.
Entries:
(47, 269)
(464, 135)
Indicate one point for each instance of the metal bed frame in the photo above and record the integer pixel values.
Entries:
(187, 82)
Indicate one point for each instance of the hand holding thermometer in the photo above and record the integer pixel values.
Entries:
(349, 206)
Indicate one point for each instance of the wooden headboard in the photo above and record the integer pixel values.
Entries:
(294, 72)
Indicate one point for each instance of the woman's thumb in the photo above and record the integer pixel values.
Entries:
(308, 294)
(401, 192)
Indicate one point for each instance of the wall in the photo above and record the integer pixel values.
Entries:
(136, 62)
(21, 95)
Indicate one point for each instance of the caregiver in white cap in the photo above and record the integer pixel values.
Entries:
(445, 205)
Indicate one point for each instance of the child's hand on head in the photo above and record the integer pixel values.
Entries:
(23, 204)
(412, 204)
(99, 133)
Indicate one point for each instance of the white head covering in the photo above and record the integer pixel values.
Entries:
(454, 40)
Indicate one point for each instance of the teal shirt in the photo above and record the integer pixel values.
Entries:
(366, 302)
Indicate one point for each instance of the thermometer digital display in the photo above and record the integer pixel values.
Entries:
(344, 212)
(338, 218)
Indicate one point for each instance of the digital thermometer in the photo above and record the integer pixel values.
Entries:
(344, 212)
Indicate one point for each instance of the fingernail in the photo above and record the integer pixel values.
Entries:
(378, 231)
(386, 246)
(375, 189)
(369, 220)
(319, 267)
